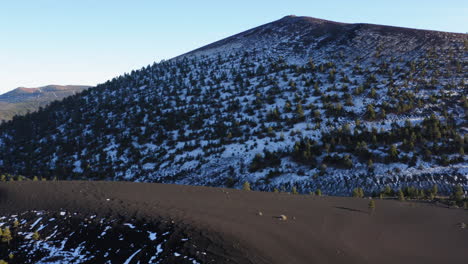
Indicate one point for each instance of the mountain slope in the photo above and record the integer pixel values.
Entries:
(299, 101)
(22, 100)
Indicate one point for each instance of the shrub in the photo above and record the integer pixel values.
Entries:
(36, 236)
(6, 235)
(401, 195)
(294, 190)
(318, 192)
(358, 192)
(458, 193)
(246, 186)
(372, 204)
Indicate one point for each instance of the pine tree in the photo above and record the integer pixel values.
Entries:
(372, 205)
(393, 153)
(388, 191)
(435, 189)
(401, 195)
(458, 193)
(318, 192)
(36, 236)
(246, 186)
(6, 235)
(358, 192)
(294, 190)
(370, 112)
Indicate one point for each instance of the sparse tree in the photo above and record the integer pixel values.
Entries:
(458, 193)
(6, 235)
(36, 236)
(401, 195)
(372, 205)
(358, 192)
(246, 186)
(294, 190)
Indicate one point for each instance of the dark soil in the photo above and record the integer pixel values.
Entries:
(229, 227)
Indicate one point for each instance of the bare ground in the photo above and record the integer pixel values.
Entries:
(317, 229)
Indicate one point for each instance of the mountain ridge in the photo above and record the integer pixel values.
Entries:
(21, 100)
(327, 25)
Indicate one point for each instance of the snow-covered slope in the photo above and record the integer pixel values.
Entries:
(297, 102)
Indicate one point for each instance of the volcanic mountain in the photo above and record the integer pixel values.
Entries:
(22, 100)
(299, 102)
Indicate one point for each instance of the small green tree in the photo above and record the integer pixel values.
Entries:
(372, 205)
(35, 178)
(276, 190)
(401, 195)
(246, 186)
(435, 189)
(393, 152)
(36, 236)
(3, 262)
(458, 193)
(358, 192)
(6, 235)
(388, 191)
(16, 224)
(318, 192)
(294, 190)
(465, 205)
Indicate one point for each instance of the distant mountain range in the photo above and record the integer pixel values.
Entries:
(298, 102)
(23, 100)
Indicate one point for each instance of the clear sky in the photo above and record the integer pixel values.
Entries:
(90, 41)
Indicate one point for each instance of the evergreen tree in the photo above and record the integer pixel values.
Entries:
(246, 186)
(435, 189)
(36, 236)
(372, 205)
(6, 235)
(318, 192)
(393, 153)
(294, 190)
(388, 191)
(358, 192)
(458, 193)
(401, 195)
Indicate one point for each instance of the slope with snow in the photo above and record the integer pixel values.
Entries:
(297, 102)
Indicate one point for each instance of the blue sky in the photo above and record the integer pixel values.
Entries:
(88, 42)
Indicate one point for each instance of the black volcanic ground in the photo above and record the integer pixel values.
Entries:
(227, 225)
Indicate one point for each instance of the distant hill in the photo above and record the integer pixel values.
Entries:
(22, 100)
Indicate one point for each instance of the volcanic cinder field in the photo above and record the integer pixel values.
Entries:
(233, 226)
